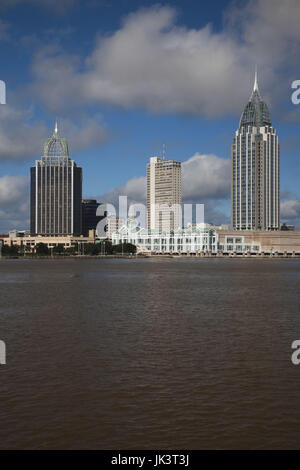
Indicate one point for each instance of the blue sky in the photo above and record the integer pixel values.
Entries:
(124, 77)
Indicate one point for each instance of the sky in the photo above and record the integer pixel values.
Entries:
(123, 78)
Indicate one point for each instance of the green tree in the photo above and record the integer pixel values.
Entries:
(91, 249)
(105, 247)
(59, 249)
(71, 250)
(10, 250)
(27, 250)
(126, 248)
(42, 249)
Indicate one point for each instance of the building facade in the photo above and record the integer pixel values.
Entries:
(29, 242)
(189, 240)
(90, 218)
(255, 169)
(164, 194)
(56, 191)
(113, 224)
(267, 242)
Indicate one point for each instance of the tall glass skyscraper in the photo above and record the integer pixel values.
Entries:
(56, 191)
(255, 169)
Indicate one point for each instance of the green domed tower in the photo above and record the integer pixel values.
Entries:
(56, 191)
(56, 147)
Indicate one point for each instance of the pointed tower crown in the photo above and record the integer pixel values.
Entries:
(255, 86)
(256, 112)
(56, 147)
(55, 128)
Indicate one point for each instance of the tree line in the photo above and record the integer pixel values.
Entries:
(105, 247)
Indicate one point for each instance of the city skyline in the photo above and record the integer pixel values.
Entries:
(150, 227)
(111, 138)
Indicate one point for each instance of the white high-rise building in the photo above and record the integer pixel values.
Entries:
(255, 169)
(113, 224)
(164, 196)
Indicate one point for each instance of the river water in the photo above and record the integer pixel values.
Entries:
(149, 354)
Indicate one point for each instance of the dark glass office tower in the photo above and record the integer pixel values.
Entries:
(89, 218)
(255, 169)
(56, 191)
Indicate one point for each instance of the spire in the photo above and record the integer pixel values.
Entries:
(255, 86)
(256, 112)
(56, 146)
(55, 128)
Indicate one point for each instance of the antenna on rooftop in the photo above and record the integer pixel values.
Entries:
(164, 151)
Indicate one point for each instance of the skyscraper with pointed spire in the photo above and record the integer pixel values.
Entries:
(255, 169)
(56, 191)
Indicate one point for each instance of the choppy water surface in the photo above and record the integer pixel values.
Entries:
(149, 354)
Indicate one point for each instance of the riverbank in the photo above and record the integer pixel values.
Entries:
(164, 256)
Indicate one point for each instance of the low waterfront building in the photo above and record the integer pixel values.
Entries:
(271, 242)
(18, 233)
(194, 240)
(189, 240)
(284, 226)
(67, 241)
(202, 225)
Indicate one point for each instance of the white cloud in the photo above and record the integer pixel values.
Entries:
(267, 24)
(21, 138)
(152, 63)
(88, 132)
(135, 190)
(205, 179)
(12, 189)
(57, 81)
(14, 206)
(290, 209)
